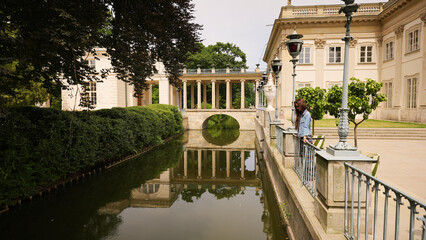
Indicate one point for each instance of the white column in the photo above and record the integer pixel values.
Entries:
(228, 164)
(184, 95)
(213, 164)
(199, 164)
(256, 94)
(185, 164)
(228, 97)
(171, 98)
(192, 96)
(217, 96)
(243, 101)
(213, 94)
(205, 96)
(199, 94)
(164, 91)
(150, 94)
(243, 166)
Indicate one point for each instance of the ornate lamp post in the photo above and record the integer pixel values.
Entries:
(343, 130)
(262, 83)
(276, 68)
(294, 46)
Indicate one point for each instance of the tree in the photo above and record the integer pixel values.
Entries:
(49, 41)
(315, 98)
(220, 55)
(363, 98)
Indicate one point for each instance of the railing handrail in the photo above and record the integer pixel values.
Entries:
(406, 196)
(362, 177)
(310, 144)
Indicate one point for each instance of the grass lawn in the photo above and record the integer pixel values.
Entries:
(371, 123)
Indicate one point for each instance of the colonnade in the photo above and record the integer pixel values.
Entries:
(215, 160)
(202, 87)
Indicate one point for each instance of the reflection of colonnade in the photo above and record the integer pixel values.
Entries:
(221, 166)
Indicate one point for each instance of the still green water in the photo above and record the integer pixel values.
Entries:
(171, 192)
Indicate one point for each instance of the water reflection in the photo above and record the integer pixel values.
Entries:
(175, 191)
(222, 130)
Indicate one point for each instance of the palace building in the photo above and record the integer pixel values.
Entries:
(388, 46)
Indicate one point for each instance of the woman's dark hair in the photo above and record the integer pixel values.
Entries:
(299, 102)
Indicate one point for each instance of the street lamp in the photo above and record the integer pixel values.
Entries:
(276, 68)
(343, 130)
(262, 83)
(294, 46)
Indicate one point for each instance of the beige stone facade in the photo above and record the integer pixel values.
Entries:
(389, 46)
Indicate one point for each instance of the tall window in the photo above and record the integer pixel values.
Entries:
(302, 85)
(330, 85)
(305, 55)
(413, 40)
(335, 54)
(88, 94)
(411, 93)
(389, 51)
(366, 54)
(388, 91)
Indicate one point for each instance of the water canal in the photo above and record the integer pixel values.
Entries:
(188, 188)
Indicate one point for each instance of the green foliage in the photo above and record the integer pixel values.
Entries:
(219, 55)
(49, 41)
(363, 98)
(40, 146)
(314, 97)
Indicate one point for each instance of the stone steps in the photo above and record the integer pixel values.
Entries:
(379, 133)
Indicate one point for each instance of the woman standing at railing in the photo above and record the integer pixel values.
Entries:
(303, 121)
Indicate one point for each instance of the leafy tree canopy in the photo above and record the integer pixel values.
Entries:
(48, 41)
(219, 55)
(363, 98)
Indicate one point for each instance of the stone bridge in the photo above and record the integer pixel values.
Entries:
(196, 119)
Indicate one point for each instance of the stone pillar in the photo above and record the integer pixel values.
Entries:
(192, 96)
(150, 94)
(199, 94)
(243, 166)
(228, 164)
(243, 101)
(217, 96)
(330, 183)
(319, 62)
(199, 165)
(352, 57)
(163, 91)
(184, 95)
(213, 94)
(213, 164)
(398, 97)
(185, 164)
(256, 94)
(205, 96)
(228, 97)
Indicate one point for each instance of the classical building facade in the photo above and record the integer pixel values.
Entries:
(388, 46)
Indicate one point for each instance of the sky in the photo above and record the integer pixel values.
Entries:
(246, 23)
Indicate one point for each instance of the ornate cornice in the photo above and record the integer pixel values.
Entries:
(319, 43)
(380, 41)
(423, 18)
(399, 30)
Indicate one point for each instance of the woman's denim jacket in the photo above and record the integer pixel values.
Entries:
(305, 124)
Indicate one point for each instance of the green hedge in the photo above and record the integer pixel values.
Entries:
(40, 146)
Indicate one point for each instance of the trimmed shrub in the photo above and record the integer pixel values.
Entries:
(41, 146)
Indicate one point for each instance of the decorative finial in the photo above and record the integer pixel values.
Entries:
(288, 2)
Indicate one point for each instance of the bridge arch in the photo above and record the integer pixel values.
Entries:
(206, 121)
(196, 118)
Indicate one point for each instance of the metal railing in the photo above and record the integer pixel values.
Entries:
(305, 164)
(280, 139)
(354, 227)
